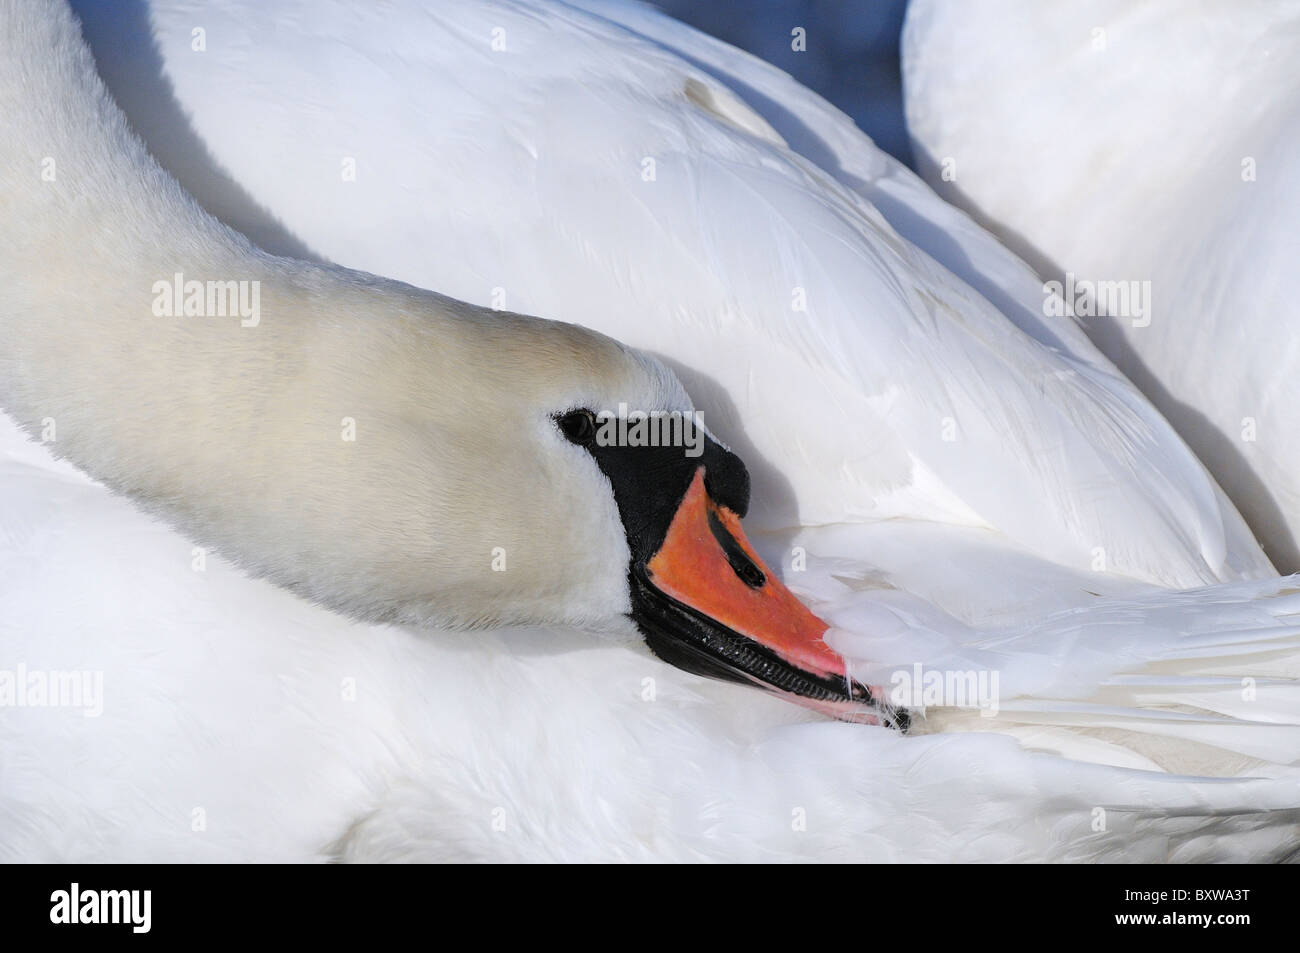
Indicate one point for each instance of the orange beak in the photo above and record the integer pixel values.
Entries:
(709, 604)
(694, 566)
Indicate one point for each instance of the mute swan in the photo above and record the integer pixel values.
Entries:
(246, 723)
(1128, 145)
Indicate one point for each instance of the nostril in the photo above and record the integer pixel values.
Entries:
(741, 564)
(749, 574)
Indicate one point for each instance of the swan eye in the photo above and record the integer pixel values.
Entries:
(578, 426)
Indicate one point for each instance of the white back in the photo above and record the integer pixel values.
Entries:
(1153, 144)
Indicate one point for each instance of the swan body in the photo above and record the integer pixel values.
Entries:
(241, 721)
(1118, 143)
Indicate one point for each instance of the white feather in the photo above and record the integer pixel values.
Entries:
(243, 723)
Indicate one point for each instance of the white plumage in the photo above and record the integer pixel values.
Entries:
(1152, 142)
(293, 733)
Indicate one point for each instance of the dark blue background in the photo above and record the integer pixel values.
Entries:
(851, 57)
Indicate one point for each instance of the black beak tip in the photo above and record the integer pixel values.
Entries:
(890, 717)
(899, 719)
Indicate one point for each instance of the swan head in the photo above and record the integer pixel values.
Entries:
(577, 485)
(657, 502)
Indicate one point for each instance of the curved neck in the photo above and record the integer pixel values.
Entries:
(78, 183)
(166, 356)
(94, 232)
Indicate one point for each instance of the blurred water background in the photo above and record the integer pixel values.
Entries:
(851, 57)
